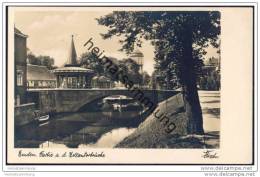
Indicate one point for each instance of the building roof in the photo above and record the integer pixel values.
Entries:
(72, 69)
(36, 72)
(19, 33)
(72, 59)
(213, 61)
(137, 53)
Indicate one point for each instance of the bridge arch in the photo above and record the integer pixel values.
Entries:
(95, 102)
(100, 94)
(71, 100)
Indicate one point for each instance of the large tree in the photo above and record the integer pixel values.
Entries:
(180, 39)
(90, 61)
(42, 60)
(131, 69)
(127, 65)
(146, 79)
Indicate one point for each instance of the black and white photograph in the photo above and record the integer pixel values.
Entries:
(119, 79)
(129, 85)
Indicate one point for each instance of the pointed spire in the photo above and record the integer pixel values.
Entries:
(72, 60)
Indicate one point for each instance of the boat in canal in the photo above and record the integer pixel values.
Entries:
(41, 118)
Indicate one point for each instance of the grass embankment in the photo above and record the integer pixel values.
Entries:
(152, 133)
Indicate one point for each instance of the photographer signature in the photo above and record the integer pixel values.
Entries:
(210, 154)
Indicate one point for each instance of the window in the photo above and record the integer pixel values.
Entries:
(19, 77)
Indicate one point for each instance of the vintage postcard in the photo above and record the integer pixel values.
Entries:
(129, 85)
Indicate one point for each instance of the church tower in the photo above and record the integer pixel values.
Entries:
(72, 75)
(72, 58)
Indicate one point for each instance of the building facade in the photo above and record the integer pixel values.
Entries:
(138, 57)
(210, 76)
(20, 75)
(40, 77)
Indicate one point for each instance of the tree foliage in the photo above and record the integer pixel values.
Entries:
(180, 39)
(127, 65)
(41, 60)
(131, 69)
(167, 31)
(146, 79)
(90, 61)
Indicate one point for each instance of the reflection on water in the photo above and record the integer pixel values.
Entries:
(111, 138)
(107, 140)
(88, 129)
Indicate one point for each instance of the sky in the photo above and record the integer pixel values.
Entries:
(50, 33)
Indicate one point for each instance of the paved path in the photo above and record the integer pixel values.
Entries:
(210, 105)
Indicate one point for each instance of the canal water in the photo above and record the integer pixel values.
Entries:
(79, 130)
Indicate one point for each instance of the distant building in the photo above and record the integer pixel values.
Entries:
(138, 57)
(20, 56)
(40, 77)
(212, 61)
(210, 78)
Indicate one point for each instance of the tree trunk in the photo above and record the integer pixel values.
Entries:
(193, 109)
(190, 91)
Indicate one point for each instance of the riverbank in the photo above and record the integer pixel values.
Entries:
(70, 130)
(24, 114)
(151, 133)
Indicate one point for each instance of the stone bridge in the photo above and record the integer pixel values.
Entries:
(71, 100)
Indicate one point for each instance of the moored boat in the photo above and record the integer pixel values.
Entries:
(41, 118)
